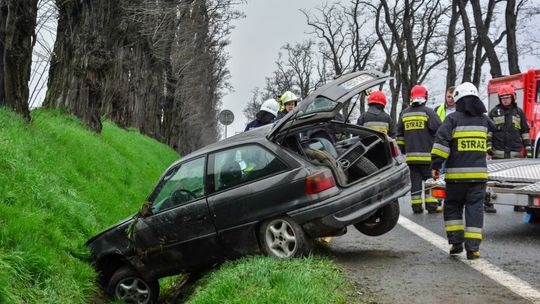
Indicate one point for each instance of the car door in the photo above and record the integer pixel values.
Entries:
(180, 234)
(249, 183)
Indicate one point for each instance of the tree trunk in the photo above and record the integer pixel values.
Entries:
(469, 46)
(511, 41)
(451, 44)
(482, 31)
(3, 18)
(20, 23)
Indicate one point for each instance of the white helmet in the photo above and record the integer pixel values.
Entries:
(465, 89)
(271, 106)
(288, 96)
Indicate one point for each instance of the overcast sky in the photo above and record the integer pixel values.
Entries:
(255, 44)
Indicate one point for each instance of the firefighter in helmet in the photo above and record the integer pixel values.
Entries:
(267, 113)
(375, 117)
(288, 101)
(462, 140)
(416, 131)
(511, 134)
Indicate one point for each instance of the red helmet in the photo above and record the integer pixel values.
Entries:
(507, 90)
(377, 97)
(419, 91)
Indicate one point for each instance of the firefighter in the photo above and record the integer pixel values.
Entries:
(288, 101)
(462, 140)
(375, 117)
(267, 113)
(416, 131)
(511, 134)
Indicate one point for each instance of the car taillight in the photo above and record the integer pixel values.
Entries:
(395, 149)
(438, 193)
(319, 182)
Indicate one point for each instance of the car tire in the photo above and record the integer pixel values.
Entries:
(365, 166)
(130, 287)
(381, 222)
(283, 238)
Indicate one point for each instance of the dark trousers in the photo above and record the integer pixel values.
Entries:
(420, 173)
(471, 197)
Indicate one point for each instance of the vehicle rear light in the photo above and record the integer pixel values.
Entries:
(395, 149)
(438, 193)
(319, 182)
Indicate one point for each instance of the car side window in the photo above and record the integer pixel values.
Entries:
(244, 164)
(185, 183)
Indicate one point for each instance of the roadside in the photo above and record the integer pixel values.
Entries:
(401, 267)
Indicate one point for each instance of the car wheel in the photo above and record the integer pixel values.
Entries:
(366, 166)
(283, 238)
(128, 286)
(381, 222)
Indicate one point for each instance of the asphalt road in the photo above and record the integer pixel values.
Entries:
(402, 267)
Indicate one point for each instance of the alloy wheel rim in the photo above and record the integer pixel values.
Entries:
(133, 290)
(281, 239)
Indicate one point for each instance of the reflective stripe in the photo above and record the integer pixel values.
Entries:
(416, 202)
(441, 147)
(416, 196)
(498, 120)
(473, 235)
(471, 128)
(379, 128)
(411, 118)
(461, 134)
(400, 142)
(473, 229)
(498, 153)
(453, 222)
(525, 136)
(418, 156)
(439, 153)
(415, 114)
(376, 123)
(466, 173)
(431, 200)
(450, 228)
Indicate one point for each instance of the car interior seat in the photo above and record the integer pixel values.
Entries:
(230, 175)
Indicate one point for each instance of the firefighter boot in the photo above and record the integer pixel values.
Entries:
(519, 209)
(488, 208)
(417, 208)
(473, 255)
(456, 248)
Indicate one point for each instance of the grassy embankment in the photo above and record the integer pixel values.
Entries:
(60, 184)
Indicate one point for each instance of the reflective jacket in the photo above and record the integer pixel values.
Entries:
(377, 119)
(416, 131)
(463, 140)
(511, 133)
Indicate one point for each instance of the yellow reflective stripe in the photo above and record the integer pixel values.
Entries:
(400, 142)
(418, 158)
(379, 128)
(416, 201)
(431, 200)
(440, 153)
(409, 118)
(473, 235)
(466, 175)
(461, 134)
(451, 228)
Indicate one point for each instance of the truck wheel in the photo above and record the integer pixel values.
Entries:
(384, 220)
(128, 286)
(283, 238)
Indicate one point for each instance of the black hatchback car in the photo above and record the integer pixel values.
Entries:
(271, 190)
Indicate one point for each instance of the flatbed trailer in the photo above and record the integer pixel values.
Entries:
(513, 182)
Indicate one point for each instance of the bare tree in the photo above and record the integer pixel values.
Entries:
(485, 40)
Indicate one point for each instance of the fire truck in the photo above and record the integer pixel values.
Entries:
(527, 86)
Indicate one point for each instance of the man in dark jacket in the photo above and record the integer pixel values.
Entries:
(266, 114)
(416, 131)
(462, 140)
(511, 134)
(375, 117)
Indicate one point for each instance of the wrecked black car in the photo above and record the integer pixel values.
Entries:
(271, 190)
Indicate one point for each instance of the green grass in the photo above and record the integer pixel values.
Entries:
(59, 185)
(267, 280)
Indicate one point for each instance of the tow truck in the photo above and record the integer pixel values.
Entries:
(512, 182)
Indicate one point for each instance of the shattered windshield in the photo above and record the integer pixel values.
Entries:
(318, 105)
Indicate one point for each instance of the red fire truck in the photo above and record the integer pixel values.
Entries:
(527, 87)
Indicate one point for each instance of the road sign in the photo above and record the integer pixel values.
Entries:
(226, 117)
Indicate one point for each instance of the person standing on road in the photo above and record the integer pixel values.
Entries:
(268, 111)
(449, 106)
(462, 140)
(416, 131)
(511, 134)
(288, 102)
(375, 117)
